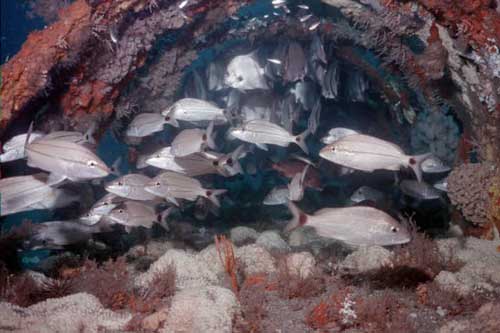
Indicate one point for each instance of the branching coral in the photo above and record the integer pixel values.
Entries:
(228, 260)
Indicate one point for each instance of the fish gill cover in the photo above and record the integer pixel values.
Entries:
(218, 105)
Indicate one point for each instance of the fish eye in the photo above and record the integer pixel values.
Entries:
(229, 161)
(333, 148)
(394, 229)
(240, 78)
(120, 184)
(158, 184)
(216, 163)
(167, 118)
(204, 137)
(158, 156)
(91, 163)
(106, 203)
(120, 211)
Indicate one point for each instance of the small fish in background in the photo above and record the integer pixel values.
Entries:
(289, 168)
(131, 186)
(13, 149)
(433, 164)
(366, 193)
(277, 196)
(317, 50)
(295, 64)
(314, 118)
(145, 124)
(330, 84)
(195, 86)
(57, 198)
(101, 208)
(58, 234)
(215, 76)
(245, 73)
(364, 226)
(65, 160)
(337, 133)
(306, 94)
(261, 132)
(164, 159)
(136, 214)
(419, 190)
(195, 111)
(190, 141)
(172, 186)
(442, 184)
(367, 153)
(317, 61)
(296, 186)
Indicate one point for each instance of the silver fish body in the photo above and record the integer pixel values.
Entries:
(442, 185)
(278, 196)
(295, 64)
(434, 165)
(215, 76)
(419, 190)
(366, 193)
(57, 234)
(367, 153)
(244, 73)
(190, 141)
(134, 214)
(131, 186)
(357, 225)
(337, 133)
(172, 186)
(145, 124)
(65, 159)
(296, 186)
(305, 93)
(70, 136)
(164, 159)
(57, 198)
(261, 132)
(101, 208)
(195, 111)
(331, 80)
(17, 194)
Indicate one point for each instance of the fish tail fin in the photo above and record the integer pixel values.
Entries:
(212, 196)
(162, 217)
(115, 167)
(299, 217)
(30, 130)
(300, 140)
(211, 136)
(415, 163)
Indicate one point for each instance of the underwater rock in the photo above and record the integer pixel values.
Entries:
(190, 272)
(75, 313)
(306, 239)
(468, 186)
(272, 241)
(486, 319)
(209, 309)
(255, 259)
(367, 258)
(301, 264)
(243, 235)
(481, 270)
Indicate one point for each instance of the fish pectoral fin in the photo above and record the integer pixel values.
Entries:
(173, 200)
(262, 146)
(55, 179)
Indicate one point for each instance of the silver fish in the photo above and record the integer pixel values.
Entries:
(357, 85)
(434, 165)
(305, 93)
(442, 185)
(17, 194)
(261, 132)
(206, 163)
(353, 225)
(278, 196)
(244, 73)
(295, 64)
(367, 153)
(330, 84)
(302, 6)
(305, 18)
(190, 141)
(65, 160)
(195, 86)
(136, 214)
(366, 193)
(419, 190)
(317, 50)
(164, 159)
(337, 133)
(314, 118)
(131, 186)
(141, 161)
(215, 76)
(57, 198)
(315, 25)
(57, 234)
(274, 61)
(72, 136)
(172, 186)
(145, 124)
(101, 208)
(296, 186)
(13, 149)
(195, 111)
